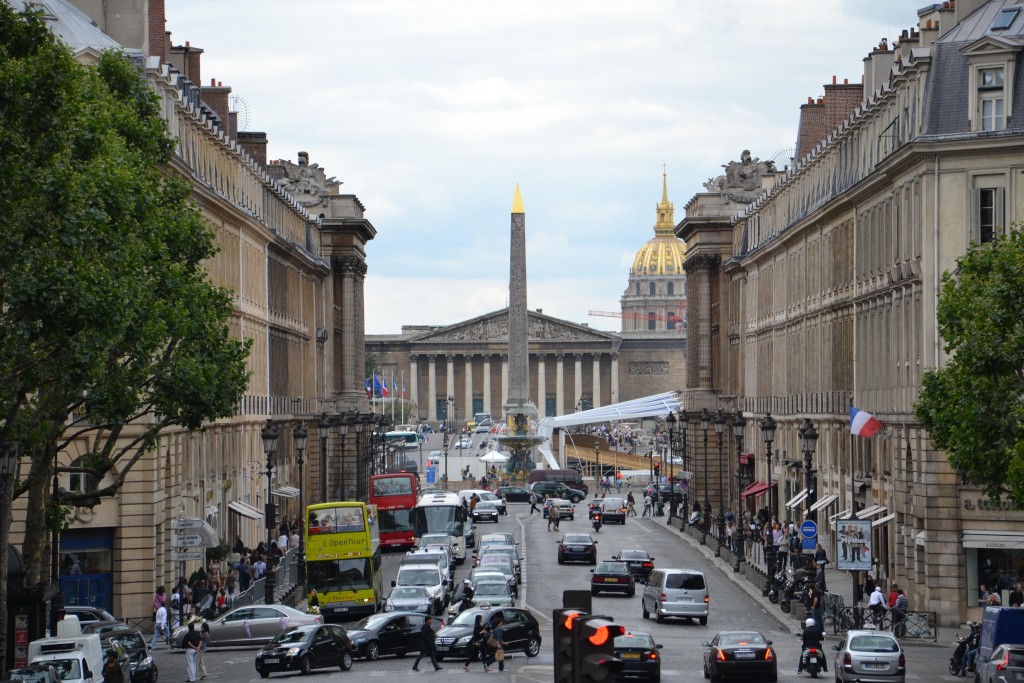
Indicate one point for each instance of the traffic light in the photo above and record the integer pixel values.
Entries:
(563, 621)
(594, 659)
(657, 468)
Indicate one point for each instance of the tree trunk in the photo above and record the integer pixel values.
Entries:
(6, 486)
(40, 479)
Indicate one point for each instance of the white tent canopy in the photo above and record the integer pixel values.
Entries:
(493, 456)
(658, 405)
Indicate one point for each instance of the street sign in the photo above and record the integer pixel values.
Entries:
(186, 556)
(187, 540)
(187, 523)
(809, 529)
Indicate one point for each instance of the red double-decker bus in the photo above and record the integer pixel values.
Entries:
(395, 497)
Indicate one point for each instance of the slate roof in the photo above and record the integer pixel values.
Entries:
(74, 28)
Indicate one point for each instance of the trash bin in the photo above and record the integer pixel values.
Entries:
(430, 475)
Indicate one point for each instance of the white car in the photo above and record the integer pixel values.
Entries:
(463, 443)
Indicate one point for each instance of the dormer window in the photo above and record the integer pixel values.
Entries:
(1005, 18)
(991, 98)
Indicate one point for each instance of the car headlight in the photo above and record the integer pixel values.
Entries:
(359, 641)
(464, 640)
(434, 591)
(292, 651)
(388, 607)
(423, 605)
(148, 661)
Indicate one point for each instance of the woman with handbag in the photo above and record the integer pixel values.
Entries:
(496, 646)
(476, 642)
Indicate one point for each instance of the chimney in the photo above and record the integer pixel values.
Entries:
(812, 129)
(215, 96)
(947, 17)
(877, 66)
(157, 30)
(909, 39)
(840, 101)
(929, 29)
(187, 60)
(255, 144)
(233, 124)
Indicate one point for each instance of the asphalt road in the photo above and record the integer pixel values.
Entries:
(544, 581)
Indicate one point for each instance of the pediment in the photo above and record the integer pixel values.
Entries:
(493, 327)
(988, 45)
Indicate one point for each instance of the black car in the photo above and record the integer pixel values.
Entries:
(522, 632)
(485, 511)
(640, 657)
(612, 577)
(514, 494)
(640, 562)
(740, 653)
(108, 645)
(134, 644)
(302, 648)
(557, 489)
(577, 548)
(391, 633)
(36, 673)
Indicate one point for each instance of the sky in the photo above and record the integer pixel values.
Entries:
(431, 111)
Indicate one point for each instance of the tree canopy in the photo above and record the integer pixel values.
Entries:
(110, 328)
(974, 404)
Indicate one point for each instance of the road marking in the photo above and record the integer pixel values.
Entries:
(540, 614)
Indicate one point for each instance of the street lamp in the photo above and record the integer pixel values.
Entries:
(739, 424)
(269, 433)
(323, 430)
(768, 432)
(684, 424)
(720, 431)
(300, 435)
(358, 422)
(597, 457)
(344, 421)
(705, 421)
(808, 441)
(670, 421)
(449, 425)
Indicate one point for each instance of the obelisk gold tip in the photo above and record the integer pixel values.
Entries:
(517, 203)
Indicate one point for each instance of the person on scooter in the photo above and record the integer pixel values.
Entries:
(597, 521)
(813, 636)
(967, 663)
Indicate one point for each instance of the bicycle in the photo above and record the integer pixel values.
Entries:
(880, 620)
(839, 621)
(916, 625)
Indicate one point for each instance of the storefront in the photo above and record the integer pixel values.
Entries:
(993, 543)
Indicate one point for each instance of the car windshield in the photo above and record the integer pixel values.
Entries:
(491, 588)
(751, 638)
(578, 539)
(130, 641)
(66, 668)
(872, 643)
(436, 539)
(613, 503)
(612, 568)
(467, 618)
(691, 582)
(488, 504)
(371, 622)
(293, 635)
(409, 593)
(41, 675)
(487, 495)
(634, 640)
(418, 577)
(634, 555)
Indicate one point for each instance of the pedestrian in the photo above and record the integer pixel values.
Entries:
(647, 506)
(533, 503)
(814, 597)
(204, 642)
(618, 484)
(783, 551)
(112, 672)
(900, 609)
(191, 642)
(427, 637)
(231, 581)
(160, 628)
(630, 504)
(1016, 596)
(496, 643)
(550, 512)
(475, 642)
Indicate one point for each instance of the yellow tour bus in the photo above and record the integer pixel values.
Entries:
(343, 559)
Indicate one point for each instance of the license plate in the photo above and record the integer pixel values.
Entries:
(742, 654)
(875, 667)
(631, 655)
(1018, 675)
(611, 580)
(271, 660)
(341, 609)
(684, 599)
(442, 648)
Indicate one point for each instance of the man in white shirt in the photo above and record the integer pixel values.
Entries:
(877, 604)
(160, 628)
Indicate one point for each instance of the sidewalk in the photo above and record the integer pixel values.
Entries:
(751, 580)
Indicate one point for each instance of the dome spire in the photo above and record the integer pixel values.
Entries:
(664, 183)
(665, 212)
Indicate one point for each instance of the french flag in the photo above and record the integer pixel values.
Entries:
(369, 391)
(863, 424)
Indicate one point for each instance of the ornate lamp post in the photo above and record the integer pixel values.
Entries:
(449, 425)
(323, 430)
(300, 435)
(720, 431)
(345, 420)
(597, 459)
(739, 424)
(768, 432)
(684, 425)
(358, 422)
(269, 433)
(705, 421)
(670, 422)
(808, 441)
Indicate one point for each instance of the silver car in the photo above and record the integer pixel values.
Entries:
(870, 657)
(493, 593)
(253, 625)
(1006, 664)
(409, 599)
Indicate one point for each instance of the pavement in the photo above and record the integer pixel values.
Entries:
(837, 582)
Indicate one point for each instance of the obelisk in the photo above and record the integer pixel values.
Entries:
(518, 360)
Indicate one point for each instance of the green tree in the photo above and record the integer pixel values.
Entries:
(110, 329)
(974, 404)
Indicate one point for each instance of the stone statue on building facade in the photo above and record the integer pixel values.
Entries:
(742, 179)
(308, 183)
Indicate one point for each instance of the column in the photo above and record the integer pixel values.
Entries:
(597, 379)
(615, 378)
(504, 378)
(468, 363)
(578, 386)
(699, 269)
(542, 383)
(414, 385)
(559, 384)
(432, 388)
(487, 384)
(450, 385)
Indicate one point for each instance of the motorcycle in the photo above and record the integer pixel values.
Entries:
(597, 522)
(812, 659)
(777, 585)
(960, 647)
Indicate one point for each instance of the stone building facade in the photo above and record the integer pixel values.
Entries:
(822, 295)
(292, 251)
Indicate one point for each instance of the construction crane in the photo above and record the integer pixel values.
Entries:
(672, 317)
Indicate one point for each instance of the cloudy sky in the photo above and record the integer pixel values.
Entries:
(432, 110)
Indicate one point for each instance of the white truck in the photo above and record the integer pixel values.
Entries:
(77, 658)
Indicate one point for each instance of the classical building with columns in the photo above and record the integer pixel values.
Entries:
(814, 288)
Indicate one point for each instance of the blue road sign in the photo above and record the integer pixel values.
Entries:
(809, 529)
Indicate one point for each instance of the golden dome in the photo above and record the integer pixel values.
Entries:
(664, 253)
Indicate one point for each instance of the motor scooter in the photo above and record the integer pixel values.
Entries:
(812, 658)
(961, 646)
(597, 521)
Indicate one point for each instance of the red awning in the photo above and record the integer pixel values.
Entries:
(756, 489)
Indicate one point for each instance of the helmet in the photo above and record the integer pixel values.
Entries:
(467, 582)
(809, 623)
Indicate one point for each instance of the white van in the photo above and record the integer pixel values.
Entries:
(676, 593)
(77, 659)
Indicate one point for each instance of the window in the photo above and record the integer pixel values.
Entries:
(671, 288)
(652, 289)
(990, 98)
(652, 321)
(1005, 19)
(990, 213)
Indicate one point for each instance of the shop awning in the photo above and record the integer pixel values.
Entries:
(825, 502)
(285, 492)
(755, 489)
(884, 520)
(797, 499)
(845, 514)
(244, 509)
(1002, 540)
(871, 511)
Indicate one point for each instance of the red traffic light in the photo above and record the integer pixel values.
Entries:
(604, 634)
(569, 618)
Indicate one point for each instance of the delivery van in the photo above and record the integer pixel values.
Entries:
(77, 659)
(570, 478)
(1000, 625)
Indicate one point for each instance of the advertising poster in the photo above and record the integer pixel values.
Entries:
(853, 544)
